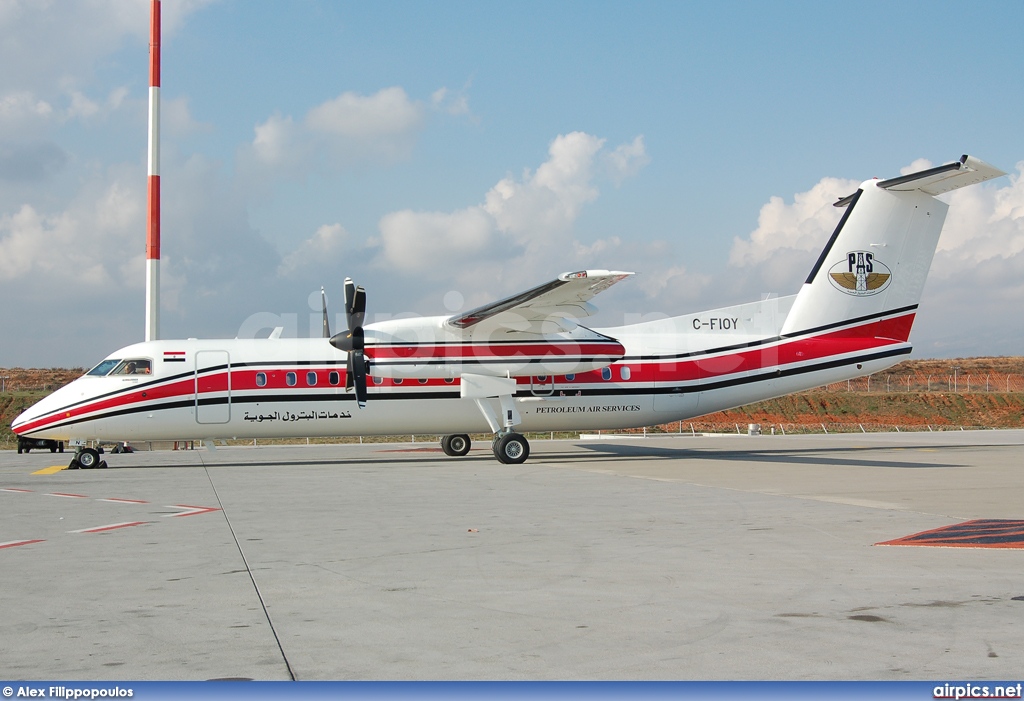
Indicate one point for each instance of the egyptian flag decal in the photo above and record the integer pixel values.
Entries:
(174, 356)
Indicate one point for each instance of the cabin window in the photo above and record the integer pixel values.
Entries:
(624, 372)
(398, 380)
(378, 380)
(570, 377)
(423, 380)
(291, 379)
(261, 379)
(334, 378)
(449, 380)
(606, 373)
(311, 378)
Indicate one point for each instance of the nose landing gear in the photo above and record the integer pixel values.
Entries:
(87, 459)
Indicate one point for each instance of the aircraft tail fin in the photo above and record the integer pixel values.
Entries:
(869, 278)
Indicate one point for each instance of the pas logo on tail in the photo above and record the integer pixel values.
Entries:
(857, 275)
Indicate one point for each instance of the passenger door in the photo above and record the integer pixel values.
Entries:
(213, 387)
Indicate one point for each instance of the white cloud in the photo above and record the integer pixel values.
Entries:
(432, 242)
(546, 203)
(627, 160)
(451, 102)
(378, 129)
(802, 225)
(59, 44)
(325, 247)
(275, 144)
(520, 222)
(87, 242)
(385, 114)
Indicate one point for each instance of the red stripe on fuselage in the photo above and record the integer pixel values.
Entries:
(872, 335)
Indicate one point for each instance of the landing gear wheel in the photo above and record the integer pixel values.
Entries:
(455, 445)
(88, 459)
(511, 449)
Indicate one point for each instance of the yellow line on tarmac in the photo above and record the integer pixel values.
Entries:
(52, 469)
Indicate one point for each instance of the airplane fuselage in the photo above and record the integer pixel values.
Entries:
(640, 375)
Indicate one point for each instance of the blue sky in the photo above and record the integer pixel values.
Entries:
(482, 148)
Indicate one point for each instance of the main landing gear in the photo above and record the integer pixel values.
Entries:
(87, 459)
(455, 445)
(495, 398)
(509, 448)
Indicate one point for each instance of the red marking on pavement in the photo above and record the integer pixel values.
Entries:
(12, 489)
(111, 527)
(16, 543)
(191, 510)
(979, 533)
(115, 500)
(70, 496)
(411, 450)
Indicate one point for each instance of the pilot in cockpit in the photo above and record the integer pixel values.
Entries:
(136, 367)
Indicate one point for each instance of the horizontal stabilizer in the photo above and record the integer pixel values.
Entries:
(940, 179)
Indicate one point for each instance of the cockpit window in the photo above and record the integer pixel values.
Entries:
(103, 368)
(133, 366)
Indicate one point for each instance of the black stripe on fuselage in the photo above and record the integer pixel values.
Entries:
(240, 401)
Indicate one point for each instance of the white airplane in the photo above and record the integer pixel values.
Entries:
(525, 363)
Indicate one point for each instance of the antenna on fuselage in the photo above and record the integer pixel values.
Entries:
(153, 191)
(327, 323)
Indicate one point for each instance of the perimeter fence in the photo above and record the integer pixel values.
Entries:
(939, 382)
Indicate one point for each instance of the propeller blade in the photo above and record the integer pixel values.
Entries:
(359, 373)
(349, 372)
(350, 291)
(327, 323)
(357, 310)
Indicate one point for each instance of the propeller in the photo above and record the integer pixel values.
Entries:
(352, 340)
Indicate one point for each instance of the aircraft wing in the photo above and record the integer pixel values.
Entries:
(562, 298)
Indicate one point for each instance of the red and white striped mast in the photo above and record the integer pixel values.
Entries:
(153, 196)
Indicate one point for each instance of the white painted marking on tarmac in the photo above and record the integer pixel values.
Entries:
(190, 510)
(115, 500)
(67, 496)
(12, 489)
(109, 527)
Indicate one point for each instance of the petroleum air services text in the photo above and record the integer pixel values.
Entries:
(586, 409)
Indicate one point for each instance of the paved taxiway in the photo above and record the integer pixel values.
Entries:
(661, 558)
